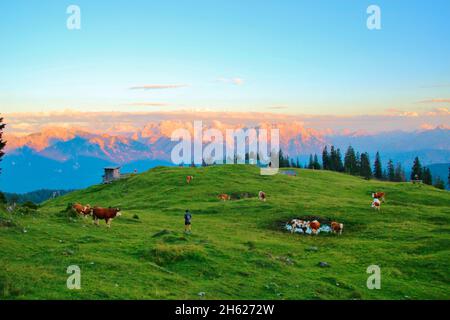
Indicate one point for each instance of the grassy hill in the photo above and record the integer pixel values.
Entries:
(238, 249)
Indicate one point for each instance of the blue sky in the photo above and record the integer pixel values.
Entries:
(289, 56)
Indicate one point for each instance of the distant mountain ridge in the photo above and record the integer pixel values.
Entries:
(68, 158)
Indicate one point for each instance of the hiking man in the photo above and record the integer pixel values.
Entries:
(187, 221)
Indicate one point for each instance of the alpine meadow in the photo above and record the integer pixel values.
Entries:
(238, 249)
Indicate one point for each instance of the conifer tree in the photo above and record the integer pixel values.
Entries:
(416, 170)
(325, 159)
(399, 175)
(350, 165)
(377, 169)
(366, 170)
(426, 176)
(316, 162)
(390, 171)
(311, 162)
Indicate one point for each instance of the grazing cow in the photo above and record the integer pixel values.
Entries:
(337, 227)
(262, 196)
(376, 204)
(80, 209)
(189, 179)
(314, 225)
(378, 195)
(106, 214)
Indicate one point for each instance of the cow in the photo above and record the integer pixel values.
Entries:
(189, 179)
(262, 196)
(297, 223)
(82, 210)
(378, 195)
(376, 204)
(106, 214)
(337, 227)
(224, 197)
(314, 226)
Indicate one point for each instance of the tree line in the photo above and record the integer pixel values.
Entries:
(359, 164)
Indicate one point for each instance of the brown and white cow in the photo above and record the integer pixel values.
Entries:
(337, 227)
(82, 210)
(262, 196)
(376, 204)
(224, 197)
(314, 225)
(106, 214)
(189, 179)
(378, 195)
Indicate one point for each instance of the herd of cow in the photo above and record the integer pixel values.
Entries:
(314, 226)
(336, 227)
(108, 214)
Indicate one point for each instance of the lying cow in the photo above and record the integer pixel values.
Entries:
(314, 226)
(224, 197)
(82, 210)
(378, 195)
(189, 179)
(297, 223)
(262, 196)
(376, 204)
(337, 227)
(106, 214)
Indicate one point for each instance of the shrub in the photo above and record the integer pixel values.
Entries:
(25, 210)
(68, 212)
(30, 205)
(163, 254)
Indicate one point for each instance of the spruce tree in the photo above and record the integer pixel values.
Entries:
(416, 170)
(311, 162)
(426, 176)
(350, 165)
(332, 163)
(399, 175)
(358, 163)
(390, 171)
(377, 169)
(339, 165)
(326, 159)
(316, 162)
(366, 170)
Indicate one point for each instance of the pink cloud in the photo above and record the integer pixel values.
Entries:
(438, 112)
(436, 101)
(158, 86)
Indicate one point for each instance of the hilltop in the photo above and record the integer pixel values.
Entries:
(238, 249)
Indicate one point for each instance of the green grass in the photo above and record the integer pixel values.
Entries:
(237, 249)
